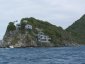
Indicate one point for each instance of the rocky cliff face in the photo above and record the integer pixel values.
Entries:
(17, 39)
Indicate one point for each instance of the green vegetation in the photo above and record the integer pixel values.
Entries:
(77, 30)
(56, 33)
(45, 26)
(11, 27)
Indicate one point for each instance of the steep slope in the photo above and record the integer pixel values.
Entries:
(22, 37)
(77, 30)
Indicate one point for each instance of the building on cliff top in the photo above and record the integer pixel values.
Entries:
(28, 26)
(43, 38)
(18, 26)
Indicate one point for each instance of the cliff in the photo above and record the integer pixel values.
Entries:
(31, 32)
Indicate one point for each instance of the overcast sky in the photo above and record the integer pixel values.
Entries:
(58, 12)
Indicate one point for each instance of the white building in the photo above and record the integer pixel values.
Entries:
(18, 26)
(28, 26)
(42, 37)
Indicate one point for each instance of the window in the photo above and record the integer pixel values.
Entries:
(43, 40)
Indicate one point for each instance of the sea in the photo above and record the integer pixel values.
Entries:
(54, 55)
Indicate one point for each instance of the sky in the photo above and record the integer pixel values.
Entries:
(58, 12)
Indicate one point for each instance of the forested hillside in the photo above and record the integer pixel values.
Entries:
(77, 30)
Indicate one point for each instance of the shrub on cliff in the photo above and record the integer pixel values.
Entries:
(11, 27)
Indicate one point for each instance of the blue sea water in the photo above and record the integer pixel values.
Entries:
(63, 55)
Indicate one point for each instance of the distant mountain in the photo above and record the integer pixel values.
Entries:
(77, 30)
(31, 32)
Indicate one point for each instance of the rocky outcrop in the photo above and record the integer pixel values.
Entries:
(25, 34)
(17, 39)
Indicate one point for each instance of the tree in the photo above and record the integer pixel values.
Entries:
(11, 27)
